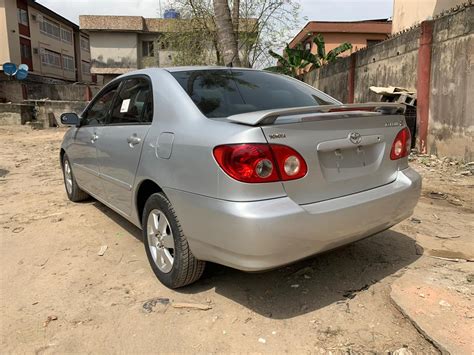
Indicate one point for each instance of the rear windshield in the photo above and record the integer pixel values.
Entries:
(223, 93)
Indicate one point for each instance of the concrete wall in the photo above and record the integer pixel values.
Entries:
(407, 13)
(41, 113)
(114, 50)
(332, 79)
(390, 63)
(47, 110)
(451, 124)
(11, 91)
(15, 114)
(395, 63)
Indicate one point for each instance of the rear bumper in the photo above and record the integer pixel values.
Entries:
(260, 235)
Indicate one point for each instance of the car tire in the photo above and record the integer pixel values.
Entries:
(73, 191)
(166, 246)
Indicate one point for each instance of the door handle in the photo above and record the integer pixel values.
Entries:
(133, 140)
(94, 138)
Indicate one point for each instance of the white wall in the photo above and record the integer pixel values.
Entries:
(113, 50)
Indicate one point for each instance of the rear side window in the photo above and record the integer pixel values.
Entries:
(133, 104)
(223, 93)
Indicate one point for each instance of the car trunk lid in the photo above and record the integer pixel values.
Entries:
(347, 148)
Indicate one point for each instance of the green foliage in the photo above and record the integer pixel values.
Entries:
(262, 24)
(298, 58)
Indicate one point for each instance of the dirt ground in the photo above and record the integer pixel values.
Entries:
(58, 295)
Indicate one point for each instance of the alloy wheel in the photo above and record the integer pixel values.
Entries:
(160, 240)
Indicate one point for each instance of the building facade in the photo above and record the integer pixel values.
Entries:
(360, 34)
(407, 13)
(49, 44)
(123, 43)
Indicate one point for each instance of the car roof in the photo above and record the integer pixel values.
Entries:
(148, 71)
(209, 67)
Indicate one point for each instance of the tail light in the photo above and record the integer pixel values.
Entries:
(401, 145)
(258, 163)
(291, 164)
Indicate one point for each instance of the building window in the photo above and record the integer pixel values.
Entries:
(50, 58)
(85, 44)
(373, 42)
(86, 68)
(25, 51)
(66, 35)
(50, 28)
(147, 49)
(68, 62)
(23, 17)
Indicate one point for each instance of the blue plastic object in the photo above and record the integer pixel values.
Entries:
(171, 13)
(21, 74)
(24, 67)
(9, 69)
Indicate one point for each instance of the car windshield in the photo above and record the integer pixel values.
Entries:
(223, 93)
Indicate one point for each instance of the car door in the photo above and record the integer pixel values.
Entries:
(83, 151)
(120, 145)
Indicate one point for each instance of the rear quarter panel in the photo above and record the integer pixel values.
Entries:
(191, 166)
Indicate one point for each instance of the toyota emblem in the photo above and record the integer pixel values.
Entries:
(355, 137)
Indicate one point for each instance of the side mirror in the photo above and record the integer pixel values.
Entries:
(70, 119)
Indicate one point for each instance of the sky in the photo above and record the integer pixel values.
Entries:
(327, 10)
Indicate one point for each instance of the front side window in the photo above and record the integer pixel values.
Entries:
(223, 93)
(132, 105)
(97, 113)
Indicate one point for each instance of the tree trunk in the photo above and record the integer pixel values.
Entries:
(225, 33)
(236, 17)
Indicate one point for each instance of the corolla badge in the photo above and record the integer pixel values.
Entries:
(355, 137)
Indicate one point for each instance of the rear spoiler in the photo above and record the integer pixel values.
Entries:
(269, 116)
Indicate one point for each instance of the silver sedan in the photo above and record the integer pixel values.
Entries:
(241, 167)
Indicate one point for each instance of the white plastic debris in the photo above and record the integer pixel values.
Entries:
(102, 250)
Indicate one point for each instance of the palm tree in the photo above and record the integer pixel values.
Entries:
(225, 33)
(298, 58)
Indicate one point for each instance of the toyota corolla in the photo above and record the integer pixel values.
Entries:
(241, 167)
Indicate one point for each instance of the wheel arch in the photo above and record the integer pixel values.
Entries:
(145, 189)
(62, 153)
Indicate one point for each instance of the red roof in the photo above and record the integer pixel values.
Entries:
(369, 26)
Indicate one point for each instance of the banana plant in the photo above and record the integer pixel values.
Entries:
(330, 56)
(298, 58)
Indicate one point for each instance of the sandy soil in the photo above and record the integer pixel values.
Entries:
(58, 295)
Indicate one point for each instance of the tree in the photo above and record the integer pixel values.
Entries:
(257, 25)
(226, 37)
(295, 60)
